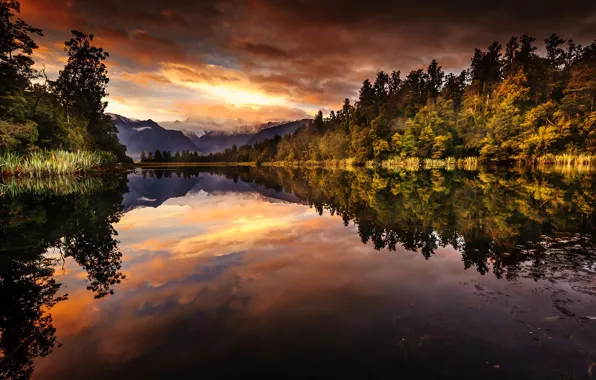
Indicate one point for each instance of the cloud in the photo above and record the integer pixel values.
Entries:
(311, 54)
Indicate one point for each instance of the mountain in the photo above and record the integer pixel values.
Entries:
(193, 136)
(278, 130)
(148, 136)
(217, 141)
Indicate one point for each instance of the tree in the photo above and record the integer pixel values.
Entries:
(454, 88)
(507, 117)
(415, 89)
(346, 114)
(381, 88)
(435, 79)
(158, 157)
(366, 103)
(16, 47)
(81, 89)
(318, 123)
(486, 68)
(81, 86)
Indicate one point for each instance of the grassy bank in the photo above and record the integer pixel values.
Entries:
(58, 162)
(189, 164)
(343, 164)
(566, 159)
(412, 163)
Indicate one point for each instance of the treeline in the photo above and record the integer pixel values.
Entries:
(166, 156)
(38, 113)
(511, 104)
(244, 153)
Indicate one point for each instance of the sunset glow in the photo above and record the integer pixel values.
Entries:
(218, 59)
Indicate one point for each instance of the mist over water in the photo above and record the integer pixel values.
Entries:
(233, 272)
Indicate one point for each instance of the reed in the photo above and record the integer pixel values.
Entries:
(468, 163)
(433, 163)
(59, 162)
(344, 163)
(412, 163)
(566, 159)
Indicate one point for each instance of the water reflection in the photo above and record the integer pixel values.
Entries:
(228, 271)
(499, 220)
(77, 226)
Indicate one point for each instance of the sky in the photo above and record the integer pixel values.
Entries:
(248, 61)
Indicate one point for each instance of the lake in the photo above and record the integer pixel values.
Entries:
(312, 273)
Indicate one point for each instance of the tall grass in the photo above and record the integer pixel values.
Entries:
(566, 159)
(433, 163)
(344, 164)
(59, 162)
(468, 163)
(412, 163)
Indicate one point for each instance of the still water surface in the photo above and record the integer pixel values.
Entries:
(226, 273)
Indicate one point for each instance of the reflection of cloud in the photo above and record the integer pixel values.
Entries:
(215, 276)
(208, 226)
(305, 264)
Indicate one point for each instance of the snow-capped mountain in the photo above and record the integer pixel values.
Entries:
(148, 136)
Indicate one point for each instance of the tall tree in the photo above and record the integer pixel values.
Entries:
(16, 47)
(436, 77)
(81, 86)
(81, 89)
(486, 68)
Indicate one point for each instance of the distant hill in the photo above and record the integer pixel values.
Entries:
(279, 130)
(193, 136)
(148, 136)
(216, 141)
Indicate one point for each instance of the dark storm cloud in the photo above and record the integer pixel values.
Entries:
(314, 50)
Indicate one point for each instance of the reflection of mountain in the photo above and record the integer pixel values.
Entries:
(147, 191)
(153, 188)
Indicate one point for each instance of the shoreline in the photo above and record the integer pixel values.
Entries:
(471, 164)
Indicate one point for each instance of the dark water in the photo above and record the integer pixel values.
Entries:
(278, 273)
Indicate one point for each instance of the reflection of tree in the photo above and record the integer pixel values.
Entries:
(80, 226)
(27, 290)
(513, 222)
(92, 245)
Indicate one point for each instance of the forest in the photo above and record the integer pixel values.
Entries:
(510, 104)
(38, 115)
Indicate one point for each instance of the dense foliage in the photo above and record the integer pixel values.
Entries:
(510, 104)
(36, 112)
